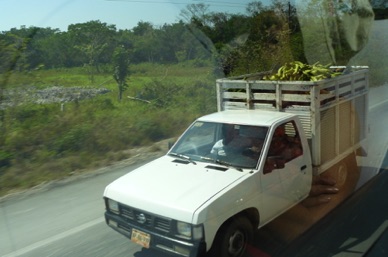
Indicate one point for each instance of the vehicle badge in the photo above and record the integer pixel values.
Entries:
(141, 218)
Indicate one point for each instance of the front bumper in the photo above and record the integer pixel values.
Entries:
(165, 243)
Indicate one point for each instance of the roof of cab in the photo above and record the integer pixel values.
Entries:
(247, 117)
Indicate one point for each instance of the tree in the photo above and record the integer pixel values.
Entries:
(120, 73)
(14, 57)
(333, 31)
(172, 44)
(58, 50)
(11, 57)
(195, 12)
(144, 43)
(37, 49)
(94, 40)
(254, 8)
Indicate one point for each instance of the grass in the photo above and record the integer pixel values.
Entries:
(42, 143)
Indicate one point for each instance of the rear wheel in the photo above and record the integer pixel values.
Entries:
(346, 175)
(233, 238)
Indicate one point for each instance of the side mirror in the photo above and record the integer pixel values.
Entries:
(170, 144)
(273, 163)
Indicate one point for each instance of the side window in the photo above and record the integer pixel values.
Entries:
(285, 146)
(286, 142)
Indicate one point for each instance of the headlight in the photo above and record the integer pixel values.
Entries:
(113, 206)
(184, 229)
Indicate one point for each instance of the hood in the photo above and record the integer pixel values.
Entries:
(170, 188)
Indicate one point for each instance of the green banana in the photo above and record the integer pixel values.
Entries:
(298, 71)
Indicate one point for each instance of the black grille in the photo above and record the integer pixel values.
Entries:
(125, 228)
(145, 219)
(127, 213)
(162, 224)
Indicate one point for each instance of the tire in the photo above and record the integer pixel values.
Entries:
(233, 238)
(346, 174)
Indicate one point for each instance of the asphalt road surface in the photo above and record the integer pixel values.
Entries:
(64, 221)
(67, 220)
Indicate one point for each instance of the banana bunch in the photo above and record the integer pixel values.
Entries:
(298, 71)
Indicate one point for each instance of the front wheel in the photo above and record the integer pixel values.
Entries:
(233, 238)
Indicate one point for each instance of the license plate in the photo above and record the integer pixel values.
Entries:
(141, 238)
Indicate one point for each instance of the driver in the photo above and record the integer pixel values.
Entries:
(231, 143)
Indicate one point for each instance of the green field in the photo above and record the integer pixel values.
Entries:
(47, 141)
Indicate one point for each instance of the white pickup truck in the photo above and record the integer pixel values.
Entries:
(235, 170)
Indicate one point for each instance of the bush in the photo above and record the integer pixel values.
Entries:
(78, 138)
(5, 158)
(30, 113)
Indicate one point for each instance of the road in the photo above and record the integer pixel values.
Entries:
(64, 221)
(67, 219)
(377, 143)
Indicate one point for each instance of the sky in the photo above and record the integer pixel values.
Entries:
(125, 14)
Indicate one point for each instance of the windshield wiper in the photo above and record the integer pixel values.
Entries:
(208, 159)
(218, 161)
(228, 164)
(184, 157)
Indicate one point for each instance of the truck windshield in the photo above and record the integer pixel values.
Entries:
(238, 145)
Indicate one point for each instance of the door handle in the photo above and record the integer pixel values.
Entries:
(303, 168)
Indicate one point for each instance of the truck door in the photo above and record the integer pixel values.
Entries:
(285, 177)
(295, 176)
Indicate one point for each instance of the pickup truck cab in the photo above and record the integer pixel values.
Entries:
(228, 174)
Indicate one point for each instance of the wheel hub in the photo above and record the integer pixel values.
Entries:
(342, 174)
(236, 243)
